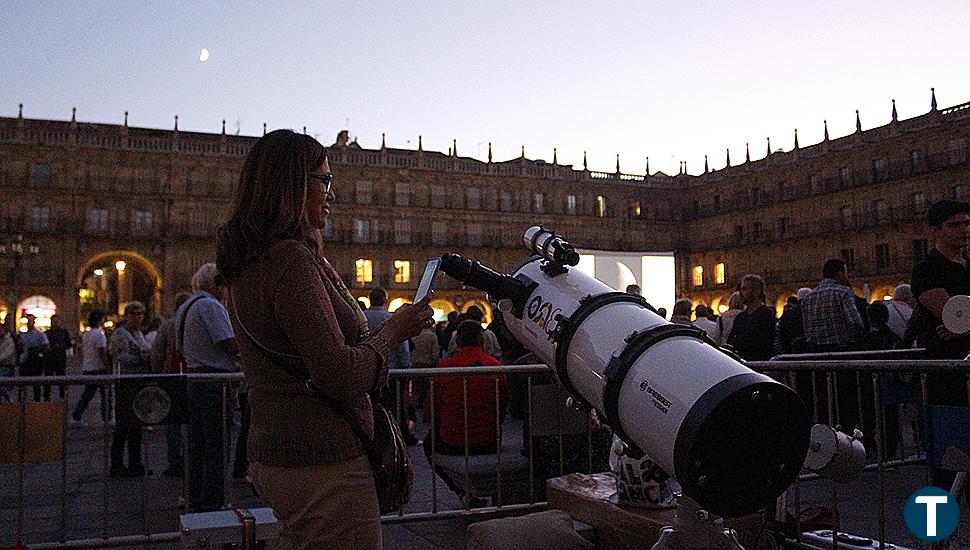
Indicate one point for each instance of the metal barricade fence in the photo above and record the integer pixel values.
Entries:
(37, 487)
(846, 390)
(856, 372)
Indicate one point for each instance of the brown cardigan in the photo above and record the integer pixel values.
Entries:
(289, 305)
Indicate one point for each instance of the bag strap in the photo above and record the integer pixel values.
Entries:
(370, 447)
(185, 315)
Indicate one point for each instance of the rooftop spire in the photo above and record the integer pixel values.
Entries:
(769, 146)
(648, 167)
(858, 122)
(73, 114)
(728, 157)
(555, 158)
(747, 152)
(584, 161)
(796, 138)
(932, 99)
(420, 145)
(490, 151)
(383, 141)
(826, 123)
(617, 163)
(176, 123)
(223, 126)
(454, 147)
(895, 116)
(304, 130)
(264, 128)
(126, 119)
(523, 152)
(20, 111)
(706, 169)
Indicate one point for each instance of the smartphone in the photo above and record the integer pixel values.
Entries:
(427, 280)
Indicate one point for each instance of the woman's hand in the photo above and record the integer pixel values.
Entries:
(408, 321)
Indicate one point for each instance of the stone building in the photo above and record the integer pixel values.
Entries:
(118, 213)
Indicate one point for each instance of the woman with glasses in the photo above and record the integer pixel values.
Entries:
(297, 321)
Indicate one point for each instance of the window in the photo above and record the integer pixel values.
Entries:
(402, 271)
(782, 227)
(40, 217)
(143, 221)
(636, 209)
(327, 231)
(717, 202)
(474, 234)
(439, 232)
(739, 233)
(437, 196)
(845, 215)
(920, 249)
(600, 206)
(815, 183)
(756, 230)
(879, 169)
(402, 193)
(362, 233)
(402, 231)
(537, 203)
(97, 220)
(848, 256)
(570, 204)
(915, 160)
(698, 275)
(919, 203)
(364, 192)
(882, 256)
(365, 270)
(719, 273)
(507, 202)
(42, 174)
(474, 198)
(960, 192)
(881, 210)
(844, 175)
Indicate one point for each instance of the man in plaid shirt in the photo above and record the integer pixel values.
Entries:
(832, 321)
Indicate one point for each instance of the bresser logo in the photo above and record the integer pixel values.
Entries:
(659, 401)
(931, 514)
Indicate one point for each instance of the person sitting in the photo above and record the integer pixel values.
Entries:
(451, 396)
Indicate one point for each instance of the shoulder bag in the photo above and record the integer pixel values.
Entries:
(387, 452)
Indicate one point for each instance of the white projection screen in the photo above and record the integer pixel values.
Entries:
(653, 271)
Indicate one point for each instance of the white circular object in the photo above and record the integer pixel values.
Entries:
(204, 55)
(835, 455)
(956, 314)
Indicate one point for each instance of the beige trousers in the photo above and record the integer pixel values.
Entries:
(323, 506)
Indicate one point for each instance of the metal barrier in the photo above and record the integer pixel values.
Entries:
(400, 379)
(857, 370)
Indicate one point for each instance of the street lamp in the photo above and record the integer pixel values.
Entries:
(15, 249)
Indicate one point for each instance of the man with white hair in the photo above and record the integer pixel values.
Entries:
(900, 309)
(205, 339)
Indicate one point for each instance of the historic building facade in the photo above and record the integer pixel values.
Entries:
(118, 213)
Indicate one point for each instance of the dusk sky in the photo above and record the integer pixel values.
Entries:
(669, 80)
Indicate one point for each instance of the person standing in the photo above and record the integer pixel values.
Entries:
(394, 396)
(166, 360)
(94, 361)
(207, 343)
(8, 358)
(726, 321)
(703, 321)
(287, 299)
(753, 330)
(944, 273)
(901, 309)
(55, 360)
(130, 353)
(831, 318)
(33, 346)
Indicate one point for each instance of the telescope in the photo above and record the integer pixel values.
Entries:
(733, 439)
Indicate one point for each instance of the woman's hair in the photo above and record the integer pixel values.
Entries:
(734, 302)
(269, 204)
(95, 318)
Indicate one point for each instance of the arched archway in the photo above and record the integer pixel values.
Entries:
(719, 301)
(41, 307)
(884, 292)
(109, 280)
(442, 308)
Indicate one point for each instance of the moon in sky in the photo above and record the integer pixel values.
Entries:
(204, 55)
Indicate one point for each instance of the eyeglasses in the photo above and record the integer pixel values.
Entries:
(326, 180)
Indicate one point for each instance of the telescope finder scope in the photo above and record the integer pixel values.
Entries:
(550, 246)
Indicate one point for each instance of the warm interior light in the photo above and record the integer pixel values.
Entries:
(120, 265)
(98, 272)
(396, 303)
(887, 297)
(722, 308)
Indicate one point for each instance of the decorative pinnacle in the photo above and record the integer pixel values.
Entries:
(454, 147)
(796, 138)
(264, 128)
(223, 126)
(648, 167)
(617, 163)
(747, 152)
(858, 122)
(420, 145)
(728, 157)
(176, 123)
(490, 152)
(383, 141)
(932, 99)
(523, 151)
(555, 158)
(20, 111)
(706, 169)
(584, 161)
(73, 114)
(769, 146)
(826, 124)
(126, 119)
(895, 116)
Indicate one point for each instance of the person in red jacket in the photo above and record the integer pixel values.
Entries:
(452, 434)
